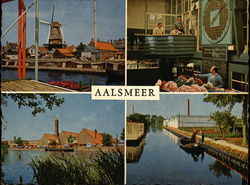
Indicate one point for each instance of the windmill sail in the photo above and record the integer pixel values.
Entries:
(55, 35)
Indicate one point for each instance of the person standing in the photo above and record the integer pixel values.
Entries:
(180, 25)
(193, 137)
(158, 30)
(202, 136)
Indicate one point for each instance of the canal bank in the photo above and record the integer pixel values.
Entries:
(49, 68)
(161, 160)
(49, 76)
(76, 149)
(182, 134)
(231, 155)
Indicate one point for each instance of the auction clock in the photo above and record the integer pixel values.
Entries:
(216, 22)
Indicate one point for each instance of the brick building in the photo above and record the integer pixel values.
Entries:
(86, 137)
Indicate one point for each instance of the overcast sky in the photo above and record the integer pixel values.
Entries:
(171, 104)
(76, 17)
(77, 112)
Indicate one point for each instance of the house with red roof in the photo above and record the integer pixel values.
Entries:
(64, 52)
(86, 137)
(49, 140)
(10, 51)
(65, 135)
(106, 49)
(43, 52)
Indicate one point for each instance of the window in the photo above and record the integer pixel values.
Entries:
(239, 81)
(143, 64)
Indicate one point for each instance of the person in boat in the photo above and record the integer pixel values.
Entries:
(180, 25)
(193, 137)
(175, 31)
(213, 77)
(158, 30)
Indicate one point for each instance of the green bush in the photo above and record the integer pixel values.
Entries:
(215, 135)
(104, 168)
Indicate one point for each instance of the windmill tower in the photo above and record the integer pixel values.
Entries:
(55, 34)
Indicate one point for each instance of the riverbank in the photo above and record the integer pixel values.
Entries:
(66, 69)
(70, 65)
(26, 149)
(238, 151)
(95, 149)
(76, 149)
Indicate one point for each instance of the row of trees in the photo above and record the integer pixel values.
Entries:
(152, 122)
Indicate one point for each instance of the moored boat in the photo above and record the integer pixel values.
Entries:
(59, 149)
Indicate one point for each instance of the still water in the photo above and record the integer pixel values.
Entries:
(16, 164)
(162, 161)
(47, 76)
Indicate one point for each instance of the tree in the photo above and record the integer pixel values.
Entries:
(229, 100)
(107, 140)
(223, 120)
(19, 141)
(79, 49)
(70, 139)
(38, 102)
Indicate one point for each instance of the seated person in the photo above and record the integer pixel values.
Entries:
(158, 30)
(213, 77)
(175, 31)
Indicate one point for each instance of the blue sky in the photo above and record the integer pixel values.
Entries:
(76, 17)
(171, 104)
(77, 112)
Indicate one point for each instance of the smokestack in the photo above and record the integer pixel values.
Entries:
(56, 127)
(188, 108)
(132, 109)
(95, 132)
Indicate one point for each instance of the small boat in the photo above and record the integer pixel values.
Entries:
(59, 149)
(184, 141)
(192, 148)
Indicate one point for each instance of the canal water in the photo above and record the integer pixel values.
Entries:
(162, 161)
(16, 164)
(47, 76)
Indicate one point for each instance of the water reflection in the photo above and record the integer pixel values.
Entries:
(47, 76)
(171, 136)
(219, 169)
(15, 168)
(133, 153)
(162, 161)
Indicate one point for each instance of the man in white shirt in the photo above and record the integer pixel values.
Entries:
(175, 31)
(158, 30)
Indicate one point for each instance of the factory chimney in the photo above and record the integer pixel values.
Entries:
(57, 127)
(132, 109)
(188, 107)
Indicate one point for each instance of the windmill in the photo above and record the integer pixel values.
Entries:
(55, 37)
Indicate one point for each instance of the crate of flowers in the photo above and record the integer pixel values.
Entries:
(185, 84)
(70, 85)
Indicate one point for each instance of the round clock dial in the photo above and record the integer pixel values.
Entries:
(215, 19)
